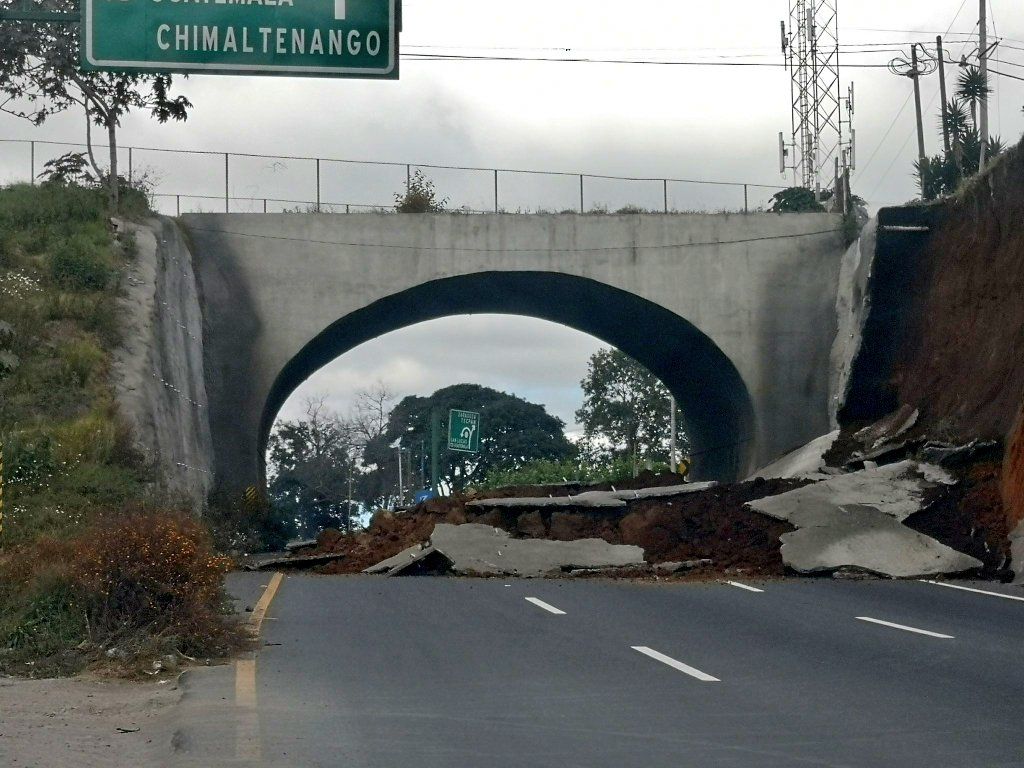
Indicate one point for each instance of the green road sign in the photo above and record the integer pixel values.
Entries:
(314, 38)
(464, 431)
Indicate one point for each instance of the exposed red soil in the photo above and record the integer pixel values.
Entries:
(1013, 475)
(962, 357)
(705, 524)
(971, 517)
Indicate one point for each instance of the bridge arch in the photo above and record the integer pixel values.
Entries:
(710, 391)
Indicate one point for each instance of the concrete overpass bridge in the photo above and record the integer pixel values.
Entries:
(735, 313)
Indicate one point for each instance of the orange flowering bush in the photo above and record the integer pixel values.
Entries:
(144, 583)
(152, 571)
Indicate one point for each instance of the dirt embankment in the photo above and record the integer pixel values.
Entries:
(711, 524)
(946, 336)
(962, 357)
(1013, 474)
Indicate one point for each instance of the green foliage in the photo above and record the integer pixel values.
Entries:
(795, 200)
(312, 461)
(513, 432)
(420, 197)
(80, 264)
(65, 451)
(626, 411)
(40, 76)
(579, 470)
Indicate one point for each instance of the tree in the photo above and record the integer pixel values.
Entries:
(626, 410)
(795, 200)
(313, 462)
(40, 77)
(513, 432)
(942, 174)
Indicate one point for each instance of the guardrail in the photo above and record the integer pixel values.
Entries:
(658, 194)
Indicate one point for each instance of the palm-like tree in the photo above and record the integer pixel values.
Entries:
(972, 87)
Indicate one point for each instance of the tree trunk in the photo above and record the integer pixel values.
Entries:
(113, 181)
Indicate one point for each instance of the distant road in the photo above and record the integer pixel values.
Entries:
(450, 673)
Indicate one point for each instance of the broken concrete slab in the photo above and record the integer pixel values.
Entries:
(263, 563)
(662, 492)
(1017, 553)
(300, 544)
(856, 521)
(886, 430)
(590, 499)
(896, 490)
(949, 455)
(857, 537)
(481, 549)
(805, 462)
(682, 567)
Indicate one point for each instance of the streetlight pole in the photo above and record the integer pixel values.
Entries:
(673, 464)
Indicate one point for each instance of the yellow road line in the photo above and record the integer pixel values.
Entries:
(259, 613)
(248, 743)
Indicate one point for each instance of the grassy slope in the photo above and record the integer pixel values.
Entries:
(65, 451)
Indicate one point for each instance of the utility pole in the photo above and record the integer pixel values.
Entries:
(673, 464)
(435, 449)
(983, 60)
(401, 487)
(914, 69)
(915, 75)
(942, 93)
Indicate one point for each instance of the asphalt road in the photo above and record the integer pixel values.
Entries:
(451, 673)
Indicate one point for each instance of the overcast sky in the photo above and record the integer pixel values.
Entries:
(718, 123)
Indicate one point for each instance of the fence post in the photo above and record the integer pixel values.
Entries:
(318, 185)
(32, 163)
(746, 204)
(665, 189)
(496, 207)
(227, 180)
(264, 205)
(581, 193)
(347, 208)
(131, 166)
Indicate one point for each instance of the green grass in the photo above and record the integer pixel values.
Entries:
(65, 451)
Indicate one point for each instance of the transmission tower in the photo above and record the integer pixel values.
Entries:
(822, 132)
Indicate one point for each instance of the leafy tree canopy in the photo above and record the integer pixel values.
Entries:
(40, 77)
(513, 433)
(626, 410)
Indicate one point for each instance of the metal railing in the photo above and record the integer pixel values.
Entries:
(656, 197)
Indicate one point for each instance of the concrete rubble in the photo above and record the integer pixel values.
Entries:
(807, 462)
(484, 550)
(592, 499)
(856, 521)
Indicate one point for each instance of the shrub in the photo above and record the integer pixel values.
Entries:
(144, 582)
(78, 263)
(420, 197)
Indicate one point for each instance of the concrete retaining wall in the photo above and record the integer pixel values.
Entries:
(158, 372)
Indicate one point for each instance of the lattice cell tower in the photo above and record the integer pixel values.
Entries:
(822, 131)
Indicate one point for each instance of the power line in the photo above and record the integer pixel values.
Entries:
(601, 249)
(586, 60)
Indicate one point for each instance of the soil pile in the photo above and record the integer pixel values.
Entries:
(710, 524)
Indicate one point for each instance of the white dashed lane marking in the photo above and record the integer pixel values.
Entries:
(704, 677)
(906, 628)
(744, 586)
(972, 589)
(546, 606)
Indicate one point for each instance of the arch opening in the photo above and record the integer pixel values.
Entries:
(707, 386)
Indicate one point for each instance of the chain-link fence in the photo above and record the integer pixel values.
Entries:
(185, 181)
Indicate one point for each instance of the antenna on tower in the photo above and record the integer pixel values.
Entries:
(822, 122)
